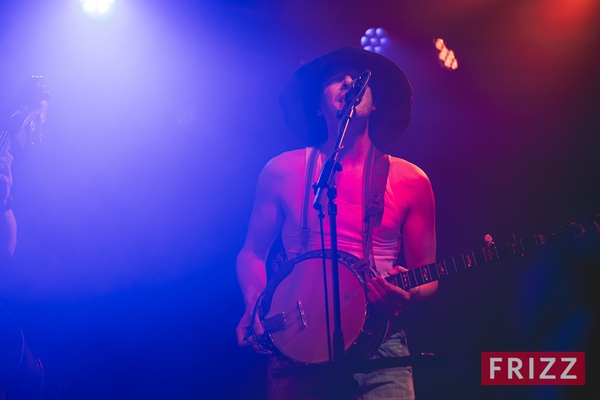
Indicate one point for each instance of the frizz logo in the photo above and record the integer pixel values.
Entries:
(533, 368)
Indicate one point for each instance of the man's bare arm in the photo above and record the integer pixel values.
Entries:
(418, 239)
(418, 232)
(265, 224)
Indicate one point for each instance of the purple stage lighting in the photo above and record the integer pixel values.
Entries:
(98, 9)
(375, 39)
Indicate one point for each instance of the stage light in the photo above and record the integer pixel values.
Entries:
(375, 40)
(98, 9)
(446, 56)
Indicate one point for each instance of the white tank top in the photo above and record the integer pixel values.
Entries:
(386, 237)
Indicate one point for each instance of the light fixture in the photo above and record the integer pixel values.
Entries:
(446, 56)
(98, 9)
(375, 40)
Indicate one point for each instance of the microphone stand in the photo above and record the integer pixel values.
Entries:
(326, 181)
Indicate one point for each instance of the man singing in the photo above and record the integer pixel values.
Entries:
(311, 103)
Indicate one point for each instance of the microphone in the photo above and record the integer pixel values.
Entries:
(359, 86)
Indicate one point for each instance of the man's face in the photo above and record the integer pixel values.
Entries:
(335, 87)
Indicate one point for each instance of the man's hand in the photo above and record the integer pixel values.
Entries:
(388, 297)
(243, 330)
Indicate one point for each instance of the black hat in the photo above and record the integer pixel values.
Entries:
(391, 89)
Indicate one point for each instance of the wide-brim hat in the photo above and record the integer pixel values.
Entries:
(391, 90)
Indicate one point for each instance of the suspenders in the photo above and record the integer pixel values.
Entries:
(375, 176)
(311, 158)
(375, 179)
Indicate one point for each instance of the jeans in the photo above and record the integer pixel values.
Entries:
(390, 383)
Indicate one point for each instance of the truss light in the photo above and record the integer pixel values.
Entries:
(446, 56)
(375, 40)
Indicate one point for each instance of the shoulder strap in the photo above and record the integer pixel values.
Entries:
(375, 175)
(375, 180)
(311, 156)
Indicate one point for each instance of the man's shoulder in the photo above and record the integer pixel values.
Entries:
(283, 172)
(285, 167)
(407, 173)
(287, 162)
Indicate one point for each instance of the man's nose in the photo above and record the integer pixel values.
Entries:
(347, 82)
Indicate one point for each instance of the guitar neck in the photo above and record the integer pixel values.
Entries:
(27, 118)
(465, 262)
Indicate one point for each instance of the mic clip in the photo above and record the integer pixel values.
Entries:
(355, 94)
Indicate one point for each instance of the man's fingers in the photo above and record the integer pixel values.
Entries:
(379, 284)
(374, 292)
(241, 336)
(382, 292)
(371, 297)
(258, 328)
(396, 270)
(246, 338)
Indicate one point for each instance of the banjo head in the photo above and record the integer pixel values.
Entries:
(297, 306)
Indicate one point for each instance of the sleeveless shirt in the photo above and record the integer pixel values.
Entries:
(386, 237)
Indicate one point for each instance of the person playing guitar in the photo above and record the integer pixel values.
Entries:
(8, 224)
(23, 126)
(311, 103)
(21, 373)
(9, 333)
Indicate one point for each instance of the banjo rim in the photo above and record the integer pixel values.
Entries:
(373, 326)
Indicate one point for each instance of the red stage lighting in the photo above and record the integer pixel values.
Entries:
(446, 56)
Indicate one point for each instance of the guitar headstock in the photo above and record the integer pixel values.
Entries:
(24, 126)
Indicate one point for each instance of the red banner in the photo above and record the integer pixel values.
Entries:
(533, 368)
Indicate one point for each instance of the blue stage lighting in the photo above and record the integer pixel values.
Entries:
(375, 39)
(98, 9)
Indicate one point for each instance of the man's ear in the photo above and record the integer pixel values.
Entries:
(374, 107)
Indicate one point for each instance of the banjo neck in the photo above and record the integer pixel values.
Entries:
(488, 254)
(294, 306)
(24, 125)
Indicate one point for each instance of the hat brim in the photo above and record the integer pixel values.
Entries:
(391, 89)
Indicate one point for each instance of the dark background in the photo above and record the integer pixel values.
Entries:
(134, 207)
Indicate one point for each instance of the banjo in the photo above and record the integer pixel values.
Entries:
(294, 317)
